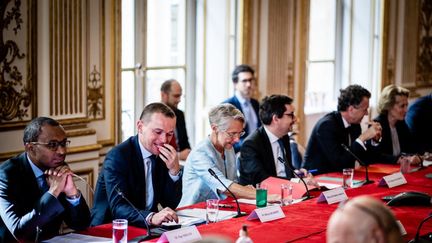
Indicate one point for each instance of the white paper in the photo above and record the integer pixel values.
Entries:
(200, 213)
(185, 221)
(329, 185)
(395, 179)
(78, 238)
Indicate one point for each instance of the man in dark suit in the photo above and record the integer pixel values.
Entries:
(262, 151)
(243, 79)
(324, 151)
(171, 93)
(37, 192)
(145, 169)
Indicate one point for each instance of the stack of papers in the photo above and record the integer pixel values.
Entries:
(194, 216)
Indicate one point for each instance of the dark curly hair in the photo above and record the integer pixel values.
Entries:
(273, 105)
(351, 95)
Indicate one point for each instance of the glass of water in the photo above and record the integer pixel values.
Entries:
(119, 230)
(212, 209)
(347, 177)
(286, 194)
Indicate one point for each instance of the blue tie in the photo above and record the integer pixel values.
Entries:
(43, 185)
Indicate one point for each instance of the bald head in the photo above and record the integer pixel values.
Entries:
(363, 219)
(171, 93)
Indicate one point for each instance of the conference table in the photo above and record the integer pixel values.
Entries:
(307, 221)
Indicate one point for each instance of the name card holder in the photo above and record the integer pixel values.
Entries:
(393, 180)
(181, 235)
(333, 196)
(267, 214)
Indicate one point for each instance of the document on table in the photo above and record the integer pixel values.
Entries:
(253, 201)
(78, 238)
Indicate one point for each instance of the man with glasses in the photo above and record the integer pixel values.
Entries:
(266, 152)
(243, 79)
(324, 151)
(37, 192)
(144, 169)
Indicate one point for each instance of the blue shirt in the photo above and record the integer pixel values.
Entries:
(198, 184)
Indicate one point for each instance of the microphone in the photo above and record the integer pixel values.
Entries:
(149, 234)
(239, 213)
(308, 196)
(366, 181)
(424, 239)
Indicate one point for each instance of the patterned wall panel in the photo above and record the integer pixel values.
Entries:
(17, 63)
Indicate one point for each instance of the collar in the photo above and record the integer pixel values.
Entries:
(346, 124)
(240, 98)
(145, 153)
(273, 138)
(36, 171)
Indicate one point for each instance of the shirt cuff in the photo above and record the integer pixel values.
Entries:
(361, 143)
(148, 218)
(176, 177)
(74, 201)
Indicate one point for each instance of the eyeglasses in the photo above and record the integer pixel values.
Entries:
(53, 145)
(235, 134)
(248, 80)
(292, 115)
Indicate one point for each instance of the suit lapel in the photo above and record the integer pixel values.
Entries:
(268, 152)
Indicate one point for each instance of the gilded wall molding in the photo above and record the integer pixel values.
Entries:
(95, 96)
(424, 57)
(17, 63)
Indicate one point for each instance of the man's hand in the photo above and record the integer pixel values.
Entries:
(168, 154)
(165, 215)
(60, 180)
(373, 132)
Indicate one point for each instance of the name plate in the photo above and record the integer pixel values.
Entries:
(333, 196)
(181, 235)
(295, 180)
(267, 214)
(393, 180)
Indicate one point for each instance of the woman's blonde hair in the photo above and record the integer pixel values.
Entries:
(388, 97)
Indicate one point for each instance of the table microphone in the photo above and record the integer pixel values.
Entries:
(366, 181)
(149, 234)
(308, 196)
(423, 239)
(239, 213)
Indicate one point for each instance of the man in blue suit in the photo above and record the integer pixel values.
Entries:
(243, 79)
(37, 192)
(145, 169)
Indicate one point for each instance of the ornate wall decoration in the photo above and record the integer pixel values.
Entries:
(16, 94)
(95, 95)
(424, 58)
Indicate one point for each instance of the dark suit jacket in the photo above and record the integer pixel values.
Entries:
(324, 151)
(123, 168)
(181, 133)
(419, 120)
(256, 162)
(383, 153)
(255, 104)
(24, 207)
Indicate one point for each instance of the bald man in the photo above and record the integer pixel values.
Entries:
(171, 93)
(363, 219)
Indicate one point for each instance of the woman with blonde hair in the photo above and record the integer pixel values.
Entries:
(397, 143)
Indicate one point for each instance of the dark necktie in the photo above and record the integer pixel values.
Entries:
(43, 185)
(282, 148)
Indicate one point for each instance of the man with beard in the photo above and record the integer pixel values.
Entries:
(37, 192)
(171, 93)
(266, 152)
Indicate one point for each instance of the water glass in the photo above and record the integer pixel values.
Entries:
(261, 195)
(286, 194)
(405, 166)
(347, 177)
(212, 210)
(119, 230)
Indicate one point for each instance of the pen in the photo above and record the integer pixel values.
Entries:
(225, 205)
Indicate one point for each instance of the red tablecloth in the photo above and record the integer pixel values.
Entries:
(307, 221)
